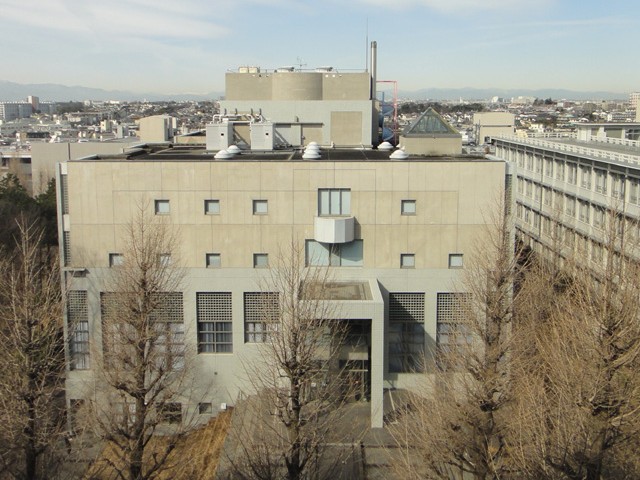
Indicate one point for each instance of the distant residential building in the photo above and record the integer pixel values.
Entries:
(14, 110)
(490, 124)
(157, 128)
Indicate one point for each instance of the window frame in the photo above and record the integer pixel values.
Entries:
(408, 202)
(256, 263)
(116, 260)
(212, 255)
(257, 206)
(159, 205)
(453, 256)
(407, 256)
(209, 202)
(343, 201)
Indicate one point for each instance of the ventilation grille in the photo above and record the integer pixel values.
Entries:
(260, 315)
(78, 328)
(406, 332)
(214, 322)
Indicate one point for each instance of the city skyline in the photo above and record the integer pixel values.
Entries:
(162, 47)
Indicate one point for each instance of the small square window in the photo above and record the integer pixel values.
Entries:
(260, 207)
(455, 260)
(162, 207)
(260, 260)
(164, 259)
(213, 260)
(116, 259)
(408, 207)
(170, 412)
(205, 408)
(407, 260)
(212, 207)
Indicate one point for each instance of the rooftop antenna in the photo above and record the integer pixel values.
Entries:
(300, 64)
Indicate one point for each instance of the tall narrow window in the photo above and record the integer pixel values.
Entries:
(78, 329)
(334, 201)
(452, 330)
(213, 311)
(406, 332)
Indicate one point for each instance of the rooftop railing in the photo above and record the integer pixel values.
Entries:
(594, 152)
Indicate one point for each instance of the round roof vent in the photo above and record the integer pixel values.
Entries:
(311, 155)
(223, 155)
(399, 155)
(233, 149)
(385, 146)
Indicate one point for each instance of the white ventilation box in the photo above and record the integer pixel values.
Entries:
(219, 135)
(262, 136)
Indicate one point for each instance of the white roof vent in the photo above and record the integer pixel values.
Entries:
(385, 146)
(223, 155)
(311, 154)
(399, 155)
(233, 149)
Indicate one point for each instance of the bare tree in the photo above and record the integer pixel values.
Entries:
(456, 424)
(142, 372)
(284, 430)
(32, 345)
(578, 407)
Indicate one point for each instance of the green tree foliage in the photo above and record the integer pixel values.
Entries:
(16, 203)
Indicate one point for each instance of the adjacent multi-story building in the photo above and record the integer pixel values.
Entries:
(397, 233)
(571, 187)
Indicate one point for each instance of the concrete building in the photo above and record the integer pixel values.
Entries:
(571, 187)
(324, 106)
(45, 156)
(157, 128)
(14, 110)
(397, 234)
(491, 124)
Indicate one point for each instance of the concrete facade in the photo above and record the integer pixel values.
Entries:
(492, 124)
(326, 107)
(409, 218)
(569, 191)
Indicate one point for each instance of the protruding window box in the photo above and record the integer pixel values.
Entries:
(334, 229)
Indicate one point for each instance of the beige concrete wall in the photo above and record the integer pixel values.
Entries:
(346, 128)
(44, 157)
(296, 86)
(351, 86)
(451, 198)
(286, 86)
(247, 86)
(433, 146)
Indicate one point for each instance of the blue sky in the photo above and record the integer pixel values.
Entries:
(181, 46)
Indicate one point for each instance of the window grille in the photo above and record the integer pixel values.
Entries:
(452, 332)
(66, 247)
(261, 312)
(78, 329)
(64, 190)
(406, 332)
(213, 310)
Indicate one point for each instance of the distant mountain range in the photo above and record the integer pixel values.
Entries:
(488, 93)
(14, 92)
(11, 92)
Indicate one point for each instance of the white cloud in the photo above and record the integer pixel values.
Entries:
(457, 6)
(187, 19)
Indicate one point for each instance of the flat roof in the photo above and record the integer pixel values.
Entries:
(341, 291)
(198, 153)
